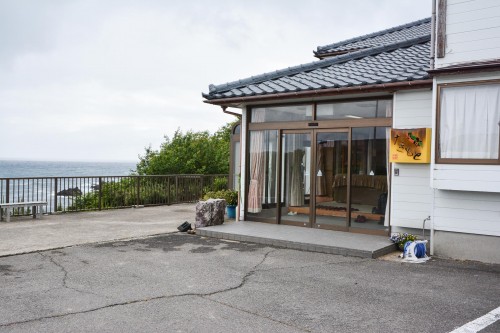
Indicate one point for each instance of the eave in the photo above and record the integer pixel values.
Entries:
(387, 87)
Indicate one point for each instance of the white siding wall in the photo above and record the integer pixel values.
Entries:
(472, 31)
(467, 212)
(411, 194)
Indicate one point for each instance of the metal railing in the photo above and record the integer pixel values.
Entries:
(72, 194)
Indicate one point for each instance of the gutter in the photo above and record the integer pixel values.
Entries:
(483, 66)
(391, 87)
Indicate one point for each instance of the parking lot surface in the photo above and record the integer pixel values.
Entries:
(186, 283)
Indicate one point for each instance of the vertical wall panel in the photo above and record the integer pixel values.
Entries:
(411, 194)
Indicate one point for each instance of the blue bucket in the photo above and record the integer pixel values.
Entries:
(231, 212)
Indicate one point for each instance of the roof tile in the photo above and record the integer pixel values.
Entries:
(403, 60)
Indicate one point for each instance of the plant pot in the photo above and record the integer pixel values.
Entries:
(231, 212)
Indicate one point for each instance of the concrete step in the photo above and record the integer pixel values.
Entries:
(305, 239)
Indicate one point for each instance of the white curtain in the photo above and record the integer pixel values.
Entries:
(297, 176)
(257, 160)
(469, 124)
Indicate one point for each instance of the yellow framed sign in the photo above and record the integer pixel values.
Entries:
(411, 145)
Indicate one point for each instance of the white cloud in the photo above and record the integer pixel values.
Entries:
(100, 80)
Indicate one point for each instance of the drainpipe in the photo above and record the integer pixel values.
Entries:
(431, 249)
(229, 112)
(433, 33)
(433, 53)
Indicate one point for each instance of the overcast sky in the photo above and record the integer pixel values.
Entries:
(99, 80)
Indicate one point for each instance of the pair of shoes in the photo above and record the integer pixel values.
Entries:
(360, 219)
(184, 227)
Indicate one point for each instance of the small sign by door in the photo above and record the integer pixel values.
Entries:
(411, 145)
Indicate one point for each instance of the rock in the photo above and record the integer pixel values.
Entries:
(210, 212)
(70, 192)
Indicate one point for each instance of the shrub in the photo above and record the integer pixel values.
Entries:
(230, 196)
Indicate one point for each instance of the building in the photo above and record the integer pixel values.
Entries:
(465, 168)
(359, 141)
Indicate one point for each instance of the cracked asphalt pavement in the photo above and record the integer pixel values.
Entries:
(186, 283)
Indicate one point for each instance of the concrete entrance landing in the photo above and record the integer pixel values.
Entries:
(307, 239)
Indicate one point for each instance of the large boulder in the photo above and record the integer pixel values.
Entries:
(70, 192)
(210, 212)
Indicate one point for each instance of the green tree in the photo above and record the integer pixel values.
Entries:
(189, 153)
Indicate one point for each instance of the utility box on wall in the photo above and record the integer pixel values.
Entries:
(410, 145)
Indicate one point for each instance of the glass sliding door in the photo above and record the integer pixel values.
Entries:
(296, 178)
(333, 179)
(331, 170)
(262, 202)
(369, 179)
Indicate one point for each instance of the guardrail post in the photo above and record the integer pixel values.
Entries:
(100, 193)
(176, 189)
(138, 198)
(201, 189)
(7, 190)
(55, 194)
(168, 190)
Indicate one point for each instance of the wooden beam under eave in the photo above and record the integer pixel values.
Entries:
(441, 30)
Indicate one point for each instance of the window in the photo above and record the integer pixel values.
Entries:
(355, 109)
(468, 123)
(282, 113)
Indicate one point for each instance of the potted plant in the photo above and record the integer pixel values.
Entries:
(231, 198)
(401, 239)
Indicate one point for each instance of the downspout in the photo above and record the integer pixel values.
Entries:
(433, 53)
(433, 34)
(229, 112)
(431, 240)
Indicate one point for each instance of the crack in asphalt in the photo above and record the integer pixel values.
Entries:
(65, 277)
(258, 315)
(205, 296)
(202, 295)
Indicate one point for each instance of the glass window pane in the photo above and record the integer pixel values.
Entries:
(237, 166)
(296, 175)
(469, 122)
(331, 179)
(262, 189)
(355, 110)
(282, 113)
(369, 181)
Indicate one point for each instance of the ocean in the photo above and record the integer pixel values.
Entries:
(15, 169)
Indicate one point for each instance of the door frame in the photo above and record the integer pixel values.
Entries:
(307, 224)
(314, 156)
(311, 223)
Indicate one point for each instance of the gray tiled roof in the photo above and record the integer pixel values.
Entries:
(393, 35)
(398, 62)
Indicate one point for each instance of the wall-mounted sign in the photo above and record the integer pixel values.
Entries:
(411, 145)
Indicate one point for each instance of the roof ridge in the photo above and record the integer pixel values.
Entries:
(374, 34)
(317, 64)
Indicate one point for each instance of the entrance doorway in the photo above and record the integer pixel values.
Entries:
(331, 182)
(333, 179)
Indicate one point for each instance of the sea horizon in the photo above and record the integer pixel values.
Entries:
(16, 159)
(16, 168)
